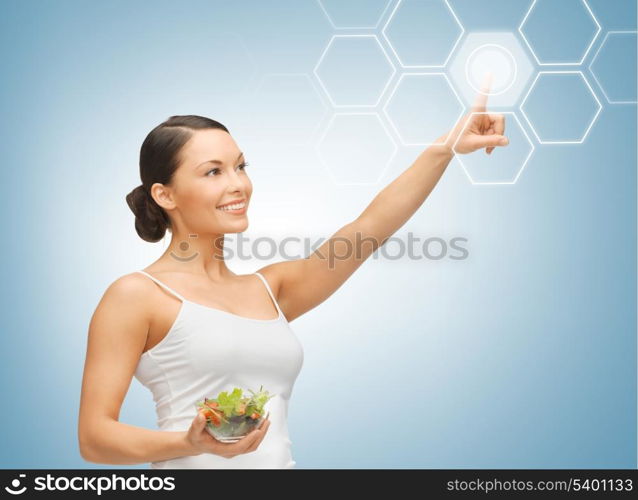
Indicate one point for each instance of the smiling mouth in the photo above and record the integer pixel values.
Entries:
(233, 208)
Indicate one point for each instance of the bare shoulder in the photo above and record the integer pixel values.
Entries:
(127, 295)
(132, 286)
(273, 274)
(120, 323)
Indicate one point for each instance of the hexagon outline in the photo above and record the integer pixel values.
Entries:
(593, 74)
(520, 30)
(458, 39)
(312, 134)
(568, 72)
(396, 86)
(395, 148)
(524, 161)
(334, 26)
(387, 83)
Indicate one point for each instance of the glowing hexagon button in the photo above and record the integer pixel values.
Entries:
(499, 54)
(559, 32)
(354, 70)
(561, 107)
(356, 148)
(423, 33)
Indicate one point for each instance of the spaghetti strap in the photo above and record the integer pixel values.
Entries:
(272, 296)
(163, 286)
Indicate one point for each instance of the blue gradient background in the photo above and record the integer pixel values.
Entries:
(521, 356)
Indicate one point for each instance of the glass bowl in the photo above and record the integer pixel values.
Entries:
(236, 428)
(241, 407)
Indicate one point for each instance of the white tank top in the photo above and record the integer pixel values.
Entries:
(207, 351)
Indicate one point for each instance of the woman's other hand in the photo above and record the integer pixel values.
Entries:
(200, 441)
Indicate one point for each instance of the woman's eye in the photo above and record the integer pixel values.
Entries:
(240, 167)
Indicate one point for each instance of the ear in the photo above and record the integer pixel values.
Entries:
(163, 196)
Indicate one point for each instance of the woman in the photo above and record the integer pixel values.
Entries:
(188, 327)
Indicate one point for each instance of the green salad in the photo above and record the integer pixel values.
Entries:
(235, 407)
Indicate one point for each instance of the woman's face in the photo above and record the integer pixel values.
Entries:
(211, 174)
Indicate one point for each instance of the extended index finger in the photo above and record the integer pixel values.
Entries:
(480, 102)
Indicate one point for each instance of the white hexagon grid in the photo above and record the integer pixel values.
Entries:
(356, 148)
(361, 14)
(565, 63)
(507, 43)
(616, 74)
(428, 37)
(473, 161)
(598, 106)
(351, 78)
(427, 116)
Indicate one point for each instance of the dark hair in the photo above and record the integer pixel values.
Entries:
(159, 158)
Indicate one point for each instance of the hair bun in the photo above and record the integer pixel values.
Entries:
(151, 221)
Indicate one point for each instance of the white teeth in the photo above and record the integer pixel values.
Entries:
(237, 206)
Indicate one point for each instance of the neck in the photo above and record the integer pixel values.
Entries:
(201, 254)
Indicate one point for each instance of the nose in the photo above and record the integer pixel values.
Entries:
(236, 182)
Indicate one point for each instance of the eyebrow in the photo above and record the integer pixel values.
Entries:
(218, 162)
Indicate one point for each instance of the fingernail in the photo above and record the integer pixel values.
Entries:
(504, 141)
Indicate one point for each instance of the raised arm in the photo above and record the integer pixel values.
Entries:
(302, 284)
